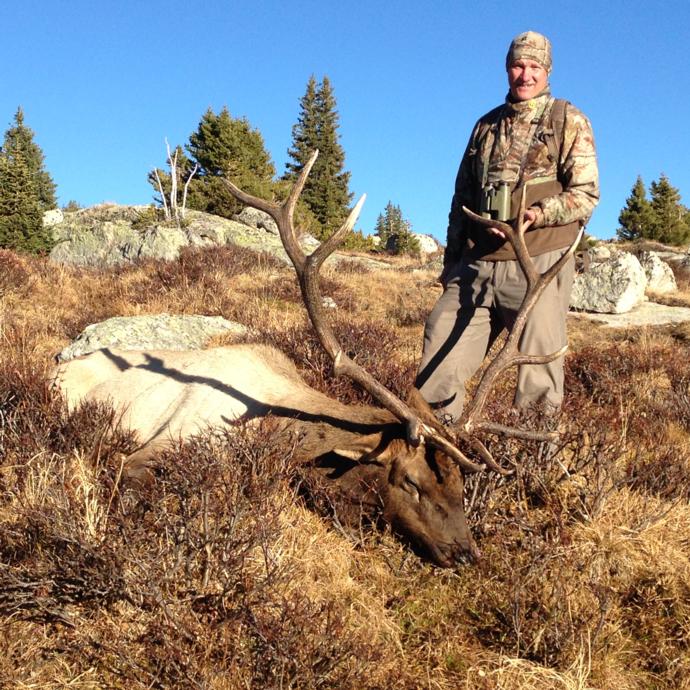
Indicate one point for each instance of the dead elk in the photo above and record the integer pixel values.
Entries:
(399, 456)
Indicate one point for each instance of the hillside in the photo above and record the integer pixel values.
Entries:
(228, 573)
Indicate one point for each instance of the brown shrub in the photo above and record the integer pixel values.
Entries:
(681, 272)
(191, 570)
(14, 273)
(196, 270)
(284, 287)
(371, 345)
(404, 314)
(351, 267)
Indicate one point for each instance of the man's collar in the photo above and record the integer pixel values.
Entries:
(533, 104)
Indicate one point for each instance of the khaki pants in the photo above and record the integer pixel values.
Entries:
(480, 300)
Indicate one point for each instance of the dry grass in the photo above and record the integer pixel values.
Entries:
(219, 576)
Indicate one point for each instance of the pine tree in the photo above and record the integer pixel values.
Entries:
(20, 138)
(26, 191)
(304, 132)
(395, 232)
(636, 218)
(223, 146)
(326, 192)
(21, 216)
(670, 216)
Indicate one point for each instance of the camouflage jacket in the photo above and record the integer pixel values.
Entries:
(511, 143)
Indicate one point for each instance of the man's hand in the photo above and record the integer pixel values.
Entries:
(531, 215)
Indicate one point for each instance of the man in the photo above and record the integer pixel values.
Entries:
(546, 145)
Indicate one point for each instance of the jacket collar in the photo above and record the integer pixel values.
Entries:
(533, 105)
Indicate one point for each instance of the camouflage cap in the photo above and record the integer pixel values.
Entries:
(530, 46)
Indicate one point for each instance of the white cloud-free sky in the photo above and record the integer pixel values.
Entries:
(103, 83)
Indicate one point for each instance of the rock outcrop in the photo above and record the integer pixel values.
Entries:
(645, 314)
(153, 332)
(257, 219)
(110, 235)
(52, 217)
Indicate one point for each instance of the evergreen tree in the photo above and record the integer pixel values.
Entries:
(26, 191)
(20, 138)
(670, 216)
(21, 216)
(636, 218)
(222, 146)
(304, 133)
(326, 192)
(395, 232)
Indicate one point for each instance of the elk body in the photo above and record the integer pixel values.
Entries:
(396, 456)
(166, 397)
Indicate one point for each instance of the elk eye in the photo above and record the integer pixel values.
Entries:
(411, 488)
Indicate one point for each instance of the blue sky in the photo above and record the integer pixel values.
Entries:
(103, 83)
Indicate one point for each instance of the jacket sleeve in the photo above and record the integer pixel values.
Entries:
(577, 172)
(465, 184)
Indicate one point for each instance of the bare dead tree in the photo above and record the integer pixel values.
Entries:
(171, 209)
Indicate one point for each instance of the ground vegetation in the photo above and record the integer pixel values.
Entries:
(231, 572)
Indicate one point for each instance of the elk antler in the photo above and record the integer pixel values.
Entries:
(509, 354)
(307, 268)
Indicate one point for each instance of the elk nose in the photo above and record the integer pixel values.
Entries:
(468, 552)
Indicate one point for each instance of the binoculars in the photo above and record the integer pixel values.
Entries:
(496, 201)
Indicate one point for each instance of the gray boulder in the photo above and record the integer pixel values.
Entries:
(427, 244)
(660, 278)
(153, 332)
(255, 218)
(614, 286)
(52, 217)
(600, 253)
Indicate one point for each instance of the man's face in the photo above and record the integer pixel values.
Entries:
(527, 79)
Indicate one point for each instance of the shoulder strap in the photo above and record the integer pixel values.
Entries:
(487, 124)
(557, 117)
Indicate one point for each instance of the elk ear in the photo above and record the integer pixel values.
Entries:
(374, 447)
(362, 448)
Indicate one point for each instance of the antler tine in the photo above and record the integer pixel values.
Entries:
(283, 213)
(307, 268)
(509, 354)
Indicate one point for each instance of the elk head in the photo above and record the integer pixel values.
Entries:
(420, 464)
(424, 498)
